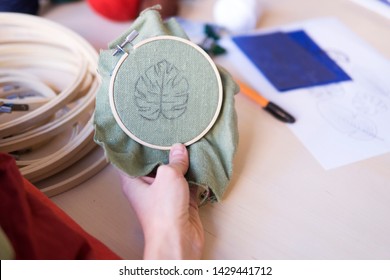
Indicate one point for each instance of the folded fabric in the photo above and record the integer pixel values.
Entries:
(210, 157)
(35, 227)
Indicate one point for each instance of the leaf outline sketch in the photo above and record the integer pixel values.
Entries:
(347, 122)
(368, 103)
(161, 90)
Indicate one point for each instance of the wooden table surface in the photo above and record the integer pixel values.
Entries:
(281, 204)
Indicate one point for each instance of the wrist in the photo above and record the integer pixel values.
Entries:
(165, 243)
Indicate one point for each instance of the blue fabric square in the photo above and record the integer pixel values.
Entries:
(309, 45)
(290, 60)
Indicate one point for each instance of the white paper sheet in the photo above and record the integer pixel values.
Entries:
(340, 123)
(381, 7)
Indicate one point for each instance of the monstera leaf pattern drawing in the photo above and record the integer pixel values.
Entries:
(161, 91)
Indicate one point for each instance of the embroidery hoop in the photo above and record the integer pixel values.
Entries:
(120, 62)
(25, 41)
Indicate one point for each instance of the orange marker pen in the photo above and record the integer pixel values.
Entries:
(270, 107)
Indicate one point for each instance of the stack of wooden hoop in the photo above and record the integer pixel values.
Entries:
(52, 70)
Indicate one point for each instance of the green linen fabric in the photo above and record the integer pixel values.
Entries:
(211, 158)
(166, 96)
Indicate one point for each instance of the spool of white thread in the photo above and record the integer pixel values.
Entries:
(237, 15)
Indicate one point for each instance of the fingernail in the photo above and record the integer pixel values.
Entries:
(178, 149)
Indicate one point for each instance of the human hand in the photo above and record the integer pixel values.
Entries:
(167, 210)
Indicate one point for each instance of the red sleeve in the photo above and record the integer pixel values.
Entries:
(36, 227)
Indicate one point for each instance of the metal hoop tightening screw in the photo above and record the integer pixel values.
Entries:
(129, 38)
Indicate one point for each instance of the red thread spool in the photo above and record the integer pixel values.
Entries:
(118, 10)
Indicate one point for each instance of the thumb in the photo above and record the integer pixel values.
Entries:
(178, 158)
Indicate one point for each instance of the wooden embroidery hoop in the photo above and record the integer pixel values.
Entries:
(117, 69)
(25, 42)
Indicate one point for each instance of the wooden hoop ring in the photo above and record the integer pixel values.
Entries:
(123, 58)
